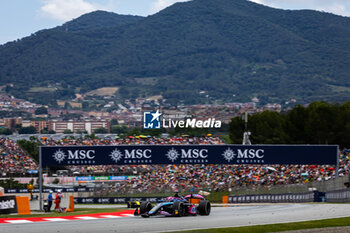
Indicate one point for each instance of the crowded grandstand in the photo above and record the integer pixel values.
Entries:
(161, 178)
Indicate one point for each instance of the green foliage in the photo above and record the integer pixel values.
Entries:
(134, 132)
(11, 183)
(319, 123)
(236, 130)
(82, 131)
(5, 131)
(67, 131)
(47, 131)
(100, 130)
(14, 113)
(96, 20)
(119, 129)
(233, 50)
(269, 126)
(56, 181)
(27, 130)
(324, 225)
(114, 122)
(226, 138)
(41, 110)
(31, 146)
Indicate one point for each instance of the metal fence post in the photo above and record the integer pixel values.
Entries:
(40, 181)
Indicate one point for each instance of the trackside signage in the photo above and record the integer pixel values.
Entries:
(188, 154)
(8, 205)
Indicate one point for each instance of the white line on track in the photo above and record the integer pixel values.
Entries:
(110, 216)
(55, 219)
(18, 221)
(127, 215)
(86, 218)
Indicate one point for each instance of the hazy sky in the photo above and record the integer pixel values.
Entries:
(19, 18)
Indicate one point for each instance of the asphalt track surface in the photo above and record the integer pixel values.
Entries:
(220, 217)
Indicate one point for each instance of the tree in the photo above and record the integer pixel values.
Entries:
(134, 132)
(41, 110)
(114, 122)
(27, 130)
(67, 131)
(267, 128)
(343, 125)
(236, 130)
(11, 183)
(47, 131)
(321, 122)
(56, 181)
(31, 146)
(100, 130)
(295, 124)
(82, 131)
(5, 131)
(119, 129)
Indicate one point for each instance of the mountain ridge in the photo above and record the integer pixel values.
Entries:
(97, 19)
(233, 50)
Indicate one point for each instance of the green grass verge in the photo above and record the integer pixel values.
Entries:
(226, 139)
(78, 211)
(334, 222)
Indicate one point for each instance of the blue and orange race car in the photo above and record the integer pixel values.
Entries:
(176, 206)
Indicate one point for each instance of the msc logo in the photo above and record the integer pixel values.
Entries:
(60, 155)
(151, 120)
(173, 154)
(230, 154)
(133, 154)
(8, 204)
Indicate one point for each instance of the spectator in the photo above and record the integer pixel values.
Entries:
(58, 199)
(50, 199)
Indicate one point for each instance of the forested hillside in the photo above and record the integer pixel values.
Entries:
(232, 50)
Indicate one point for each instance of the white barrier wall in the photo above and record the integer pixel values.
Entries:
(47, 180)
(34, 205)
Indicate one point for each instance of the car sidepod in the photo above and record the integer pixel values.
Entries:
(164, 208)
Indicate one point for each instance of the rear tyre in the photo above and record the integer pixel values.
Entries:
(204, 207)
(145, 207)
(129, 206)
(179, 209)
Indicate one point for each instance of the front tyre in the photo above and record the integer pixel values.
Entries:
(145, 207)
(179, 209)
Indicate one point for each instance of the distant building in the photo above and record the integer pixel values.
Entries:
(10, 122)
(40, 125)
(78, 126)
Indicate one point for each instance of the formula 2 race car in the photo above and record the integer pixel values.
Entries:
(133, 204)
(176, 206)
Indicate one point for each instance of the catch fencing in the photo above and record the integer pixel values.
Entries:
(340, 196)
(273, 198)
(47, 190)
(321, 186)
